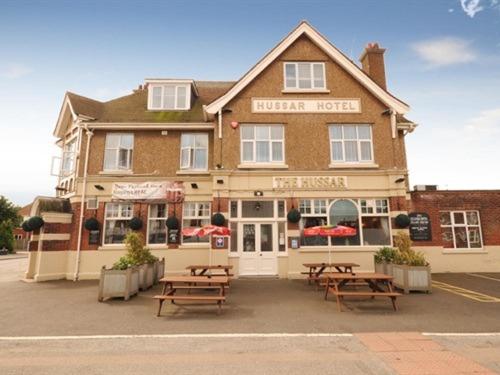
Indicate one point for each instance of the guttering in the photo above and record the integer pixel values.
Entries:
(82, 204)
(150, 125)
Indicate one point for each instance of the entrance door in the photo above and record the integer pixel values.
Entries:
(258, 254)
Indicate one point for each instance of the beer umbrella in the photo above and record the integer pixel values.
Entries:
(205, 231)
(330, 231)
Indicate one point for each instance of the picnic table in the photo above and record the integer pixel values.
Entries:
(202, 269)
(380, 285)
(173, 284)
(316, 270)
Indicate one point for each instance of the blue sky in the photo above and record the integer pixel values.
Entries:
(443, 58)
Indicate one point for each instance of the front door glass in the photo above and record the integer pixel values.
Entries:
(249, 238)
(266, 237)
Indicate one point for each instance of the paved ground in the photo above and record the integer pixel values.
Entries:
(267, 307)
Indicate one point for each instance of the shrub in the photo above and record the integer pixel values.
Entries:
(136, 255)
(385, 254)
(6, 236)
(405, 255)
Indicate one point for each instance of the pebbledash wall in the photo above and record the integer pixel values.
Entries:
(332, 147)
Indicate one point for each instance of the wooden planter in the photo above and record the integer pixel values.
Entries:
(412, 278)
(118, 283)
(384, 267)
(159, 270)
(146, 276)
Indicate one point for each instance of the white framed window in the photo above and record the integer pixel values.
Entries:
(92, 203)
(307, 76)
(313, 213)
(461, 229)
(195, 214)
(351, 143)
(116, 222)
(262, 144)
(374, 206)
(157, 223)
(69, 157)
(194, 151)
(169, 97)
(118, 151)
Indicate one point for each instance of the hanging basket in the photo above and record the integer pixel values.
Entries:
(135, 223)
(293, 215)
(402, 221)
(26, 226)
(91, 224)
(218, 219)
(36, 222)
(172, 223)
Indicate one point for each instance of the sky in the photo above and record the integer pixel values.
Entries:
(443, 58)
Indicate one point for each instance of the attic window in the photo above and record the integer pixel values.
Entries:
(169, 97)
(304, 76)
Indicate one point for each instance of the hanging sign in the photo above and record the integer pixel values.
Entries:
(172, 191)
(420, 226)
(261, 105)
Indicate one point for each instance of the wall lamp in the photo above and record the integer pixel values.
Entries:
(258, 193)
(399, 180)
(99, 187)
(220, 182)
(194, 185)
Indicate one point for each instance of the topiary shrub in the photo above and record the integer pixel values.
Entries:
(293, 215)
(35, 222)
(172, 222)
(218, 219)
(91, 224)
(405, 255)
(402, 221)
(135, 223)
(136, 255)
(26, 226)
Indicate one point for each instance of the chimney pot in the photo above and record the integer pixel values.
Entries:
(372, 61)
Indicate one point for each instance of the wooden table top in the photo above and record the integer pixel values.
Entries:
(207, 267)
(311, 265)
(357, 276)
(195, 279)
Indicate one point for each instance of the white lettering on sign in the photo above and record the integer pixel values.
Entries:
(306, 105)
(311, 182)
(149, 191)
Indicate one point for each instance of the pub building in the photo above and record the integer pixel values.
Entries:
(306, 137)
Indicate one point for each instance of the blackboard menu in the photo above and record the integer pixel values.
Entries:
(420, 226)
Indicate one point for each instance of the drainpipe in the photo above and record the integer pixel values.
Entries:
(82, 204)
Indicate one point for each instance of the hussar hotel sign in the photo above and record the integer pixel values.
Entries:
(306, 105)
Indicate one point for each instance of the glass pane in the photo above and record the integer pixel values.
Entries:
(364, 132)
(112, 140)
(195, 223)
(337, 152)
(350, 132)
(200, 159)
(156, 97)
(308, 222)
(201, 140)
(262, 151)
(460, 237)
(115, 231)
(181, 97)
(281, 237)
(281, 208)
(157, 232)
(444, 218)
(247, 151)
(110, 160)
(458, 218)
(336, 132)
(187, 140)
(257, 209)
(376, 231)
(247, 132)
(158, 210)
(304, 70)
(447, 237)
(112, 210)
(344, 212)
(123, 158)
(474, 237)
(319, 206)
(189, 209)
(318, 75)
(234, 209)
(305, 206)
(248, 238)
(277, 151)
(351, 150)
(366, 151)
(127, 141)
(234, 237)
(290, 71)
(277, 132)
(262, 132)
(185, 152)
(266, 237)
(472, 218)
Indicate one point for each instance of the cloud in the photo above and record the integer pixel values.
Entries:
(471, 7)
(445, 51)
(485, 123)
(13, 71)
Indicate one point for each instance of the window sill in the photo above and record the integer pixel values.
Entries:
(169, 109)
(195, 246)
(157, 246)
(114, 246)
(192, 171)
(337, 249)
(262, 166)
(465, 251)
(305, 91)
(352, 165)
(116, 172)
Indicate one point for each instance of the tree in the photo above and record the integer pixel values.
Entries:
(8, 212)
(6, 236)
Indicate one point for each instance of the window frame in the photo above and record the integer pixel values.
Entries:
(358, 144)
(117, 218)
(195, 217)
(130, 153)
(465, 225)
(163, 106)
(151, 218)
(69, 152)
(269, 140)
(192, 153)
(311, 68)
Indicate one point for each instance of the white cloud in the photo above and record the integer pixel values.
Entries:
(471, 7)
(13, 71)
(485, 123)
(445, 51)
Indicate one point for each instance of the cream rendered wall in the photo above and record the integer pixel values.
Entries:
(484, 261)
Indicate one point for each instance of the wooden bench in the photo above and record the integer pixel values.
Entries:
(341, 293)
(175, 297)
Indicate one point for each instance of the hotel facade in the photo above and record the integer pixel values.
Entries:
(306, 137)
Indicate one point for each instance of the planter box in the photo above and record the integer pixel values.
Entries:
(146, 276)
(118, 283)
(384, 267)
(159, 270)
(412, 278)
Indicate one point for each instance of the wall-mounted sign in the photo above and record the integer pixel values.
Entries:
(173, 236)
(172, 191)
(94, 236)
(420, 226)
(295, 242)
(219, 242)
(261, 105)
(311, 182)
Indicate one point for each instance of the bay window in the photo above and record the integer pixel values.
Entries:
(461, 229)
(194, 151)
(118, 151)
(351, 144)
(262, 144)
(116, 222)
(195, 214)
(304, 76)
(157, 224)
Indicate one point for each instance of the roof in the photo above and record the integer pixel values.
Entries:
(25, 211)
(82, 105)
(304, 28)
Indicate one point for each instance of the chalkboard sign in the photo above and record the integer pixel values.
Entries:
(173, 236)
(94, 236)
(420, 226)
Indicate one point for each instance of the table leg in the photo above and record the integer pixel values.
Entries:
(339, 298)
(164, 290)
(393, 299)
(317, 275)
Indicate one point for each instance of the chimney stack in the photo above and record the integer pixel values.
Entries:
(372, 60)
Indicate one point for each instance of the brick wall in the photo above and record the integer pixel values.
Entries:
(487, 202)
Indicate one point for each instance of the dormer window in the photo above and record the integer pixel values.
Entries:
(305, 76)
(169, 97)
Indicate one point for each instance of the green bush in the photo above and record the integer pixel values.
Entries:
(385, 254)
(405, 255)
(136, 255)
(6, 236)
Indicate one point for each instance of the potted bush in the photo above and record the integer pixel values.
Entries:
(159, 270)
(383, 260)
(142, 257)
(122, 280)
(410, 269)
